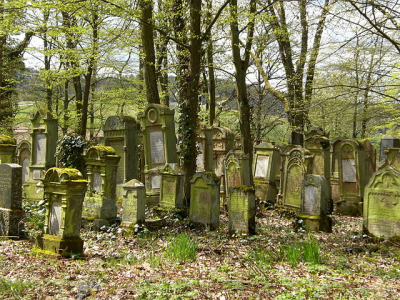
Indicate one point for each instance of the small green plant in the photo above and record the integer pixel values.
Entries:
(12, 289)
(311, 251)
(181, 248)
(307, 251)
(34, 218)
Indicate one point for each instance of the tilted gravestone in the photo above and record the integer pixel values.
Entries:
(121, 133)
(223, 142)
(204, 158)
(10, 199)
(388, 142)
(24, 158)
(355, 167)
(8, 148)
(297, 163)
(44, 142)
(100, 199)
(242, 210)
(315, 204)
(172, 186)
(265, 167)
(64, 193)
(159, 141)
(334, 177)
(133, 203)
(204, 200)
(381, 212)
(237, 170)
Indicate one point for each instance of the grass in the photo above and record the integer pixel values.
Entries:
(181, 248)
(307, 251)
(12, 289)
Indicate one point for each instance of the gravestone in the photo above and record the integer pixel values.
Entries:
(392, 159)
(204, 200)
(8, 148)
(64, 193)
(44, 142)
(334, 178)
(24, 158)
(265, 167)
(159, 141)
(297, 163)
(242, 210)
(133, 203)
(381, 211)
(388, 142)
(237, 170)
(101, 196)
(317, 142)
(10, 199)
(223, 142)
(204, 158)
(353, 177)
(121, 133)
(171, 192)
(315, 204)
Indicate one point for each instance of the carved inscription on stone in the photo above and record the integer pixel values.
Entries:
(96, 184)
(156, 182)
(262, 166)
(349, 170)
(55, 218)
(5, 188)
(25, 170)
(311, 200)
(40, 149)
(156, 140)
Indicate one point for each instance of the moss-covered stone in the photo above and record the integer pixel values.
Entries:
(7, 140)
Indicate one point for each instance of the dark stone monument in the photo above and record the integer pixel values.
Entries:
(10, 199)
(388, 142)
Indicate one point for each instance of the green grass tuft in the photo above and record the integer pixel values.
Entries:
(181, 248)
(12, 289)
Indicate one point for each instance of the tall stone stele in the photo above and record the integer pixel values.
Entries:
(204, 200)
(133, 203)
(10, 199)
(356, 165)
(242, 214)
(8, 148)
(64, 193)
(381, 211)
(297, 163)
(101, 196)
(334, 178)
(317, 142)
(265, 167)
(44, 142)
(205, 145)
(315, 204)
(159, 141)
(121, 133)
(237, 171)
(24, 159)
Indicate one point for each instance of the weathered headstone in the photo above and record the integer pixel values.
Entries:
(24, 158)
(237, 170)
(354, 168)
(315, 204)
(44, 141)
(10, 199)
(172, 186)
(204, 159)
(242, 210)
(121, 133)
(64, 193)
(265, 167)
(133, 203)
(334, 178)
(223, 142)
(100, 199)
(388, 142)
(392, 159)
(297, 163)
(204, 200)
(317, 142)
(159, 141)
(8, 148)
(381, 204)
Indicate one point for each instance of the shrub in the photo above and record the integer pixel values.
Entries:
(70, 152)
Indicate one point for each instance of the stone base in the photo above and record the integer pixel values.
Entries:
(315, 223)
(349, 208)
(9, 222)
(32, 191)
(59, 245)
(152, 200)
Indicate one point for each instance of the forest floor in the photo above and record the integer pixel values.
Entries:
(276, 263)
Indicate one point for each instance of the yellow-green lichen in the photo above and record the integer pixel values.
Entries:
(245, 188)
(7, 140)
(212, 175)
